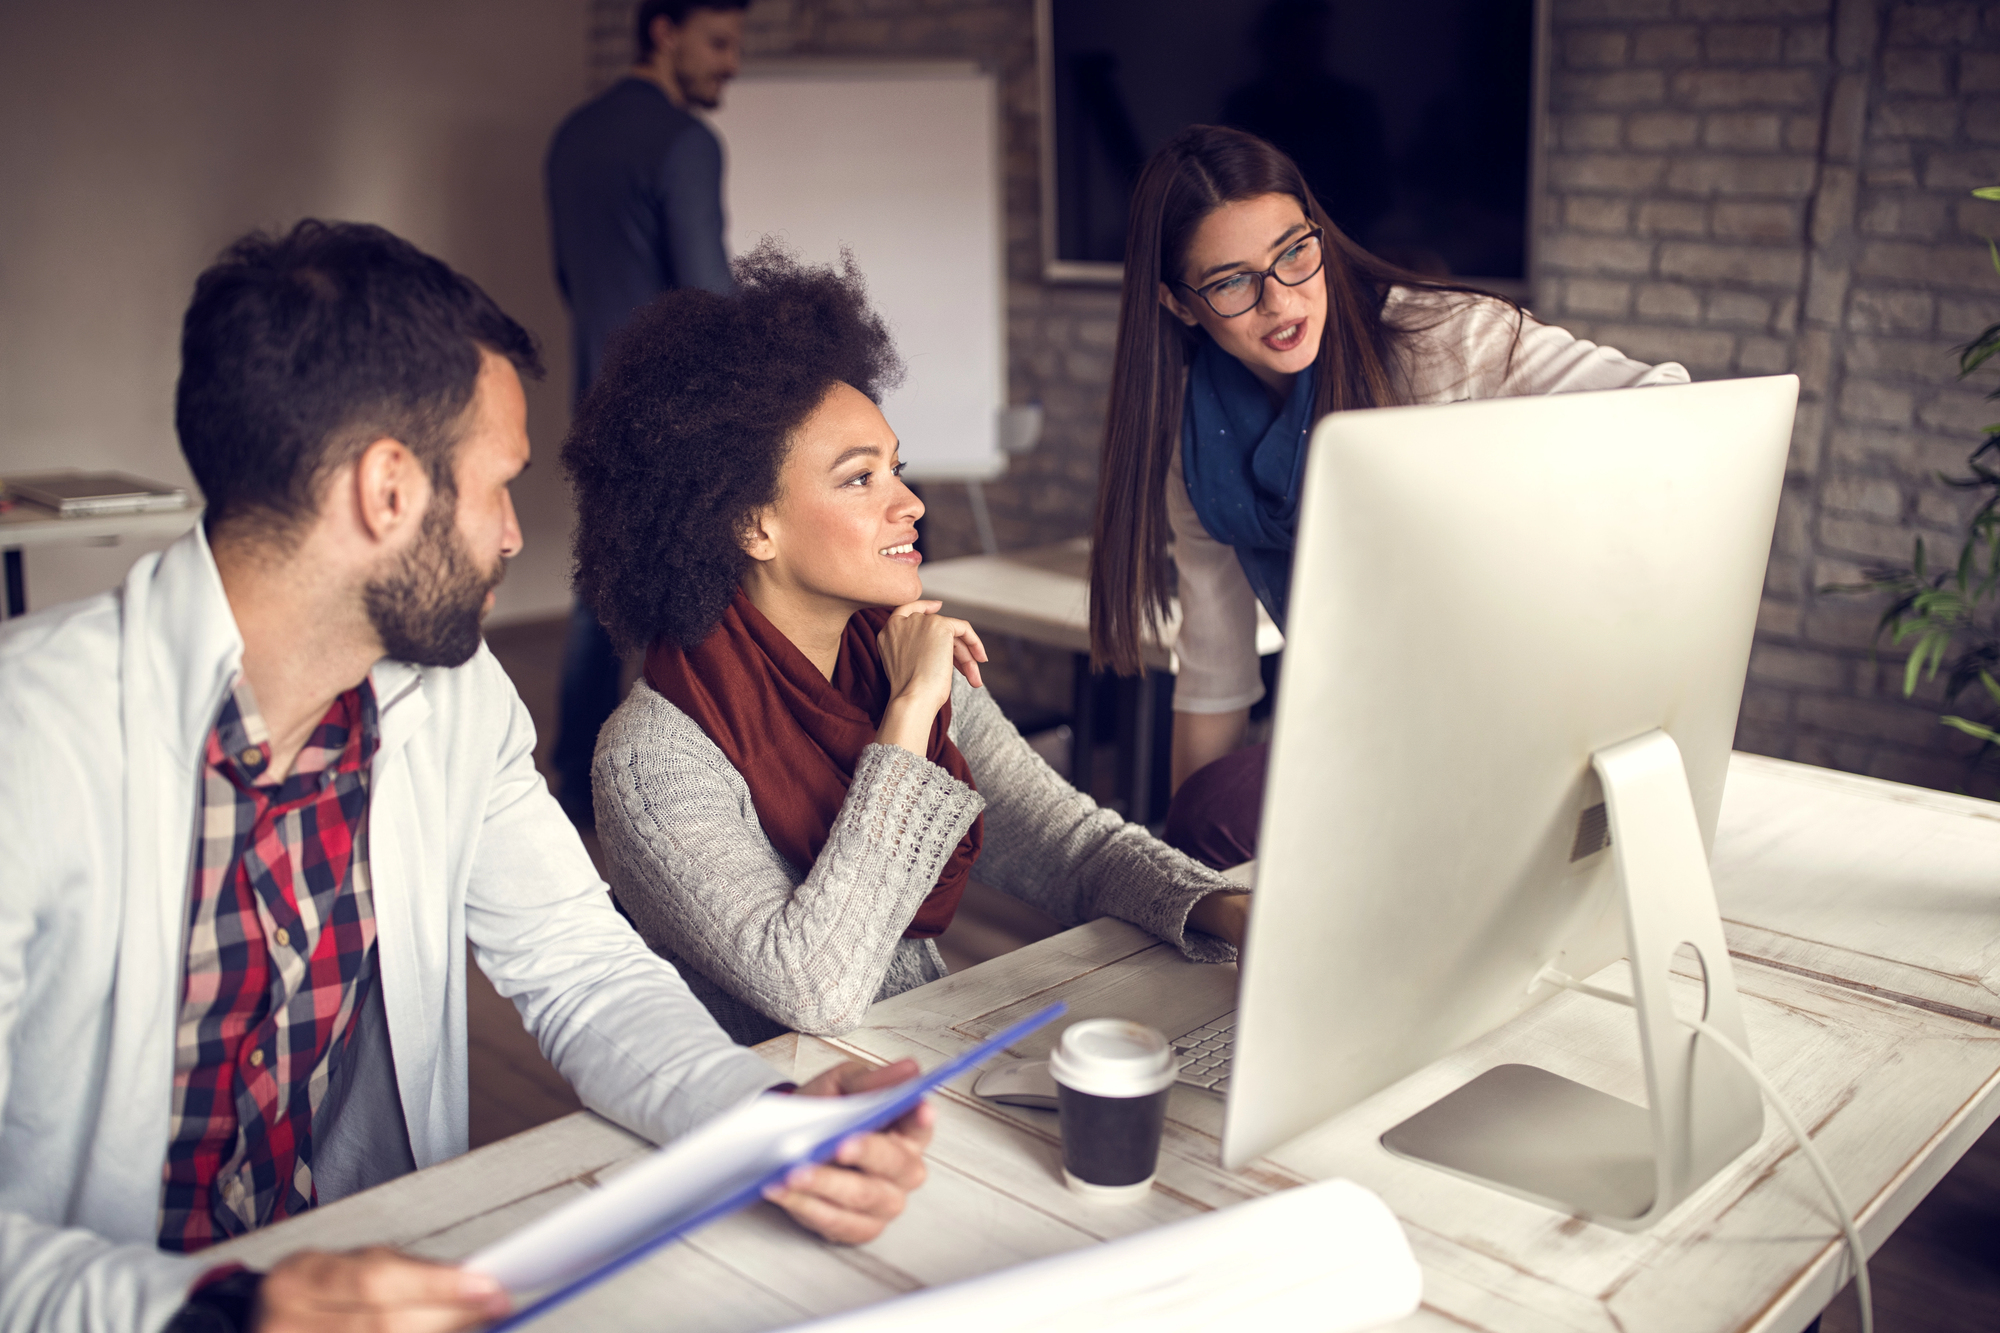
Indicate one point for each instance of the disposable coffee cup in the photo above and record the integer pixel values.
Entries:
(1112, 1079)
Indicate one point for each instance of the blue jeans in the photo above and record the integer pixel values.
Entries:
(589, 694)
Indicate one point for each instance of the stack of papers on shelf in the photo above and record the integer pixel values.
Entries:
(83, 494)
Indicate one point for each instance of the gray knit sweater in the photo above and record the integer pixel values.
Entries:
(771, 947)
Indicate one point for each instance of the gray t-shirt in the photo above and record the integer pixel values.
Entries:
(635, 209)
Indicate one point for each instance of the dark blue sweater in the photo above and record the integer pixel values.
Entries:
(635, 209)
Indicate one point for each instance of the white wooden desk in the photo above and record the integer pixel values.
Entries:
(1042, 594)
(27, 525)
(1895, 1084)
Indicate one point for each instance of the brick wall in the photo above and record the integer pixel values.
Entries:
(1746, 186)
(1753, 186)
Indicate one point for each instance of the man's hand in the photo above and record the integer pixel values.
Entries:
(852, 1198)
(377, 1290)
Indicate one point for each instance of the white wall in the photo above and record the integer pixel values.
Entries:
(137, 139)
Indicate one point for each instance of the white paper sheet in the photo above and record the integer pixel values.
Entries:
(1329, 1257)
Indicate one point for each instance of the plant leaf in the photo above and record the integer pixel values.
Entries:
(1973, 354)
(1972, 729)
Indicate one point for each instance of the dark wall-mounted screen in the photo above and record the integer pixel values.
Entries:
(1410, 118)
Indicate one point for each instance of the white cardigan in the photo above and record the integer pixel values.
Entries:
(1469, 353)
(105, 705)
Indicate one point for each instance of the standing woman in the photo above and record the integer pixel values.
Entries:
(1246, 317)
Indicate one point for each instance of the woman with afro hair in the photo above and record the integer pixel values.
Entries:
(794, 795)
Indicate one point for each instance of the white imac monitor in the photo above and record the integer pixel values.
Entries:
(1518, 635)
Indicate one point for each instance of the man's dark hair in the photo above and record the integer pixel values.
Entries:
(299, 350)
(680, 441)
(673, 11)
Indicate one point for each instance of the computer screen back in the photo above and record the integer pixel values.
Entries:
(1483, 594)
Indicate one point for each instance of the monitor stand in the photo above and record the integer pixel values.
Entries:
(1578, 1150)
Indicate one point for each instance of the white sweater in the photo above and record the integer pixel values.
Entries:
(1466, 355)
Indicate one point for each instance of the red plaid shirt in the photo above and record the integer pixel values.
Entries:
(280, 952)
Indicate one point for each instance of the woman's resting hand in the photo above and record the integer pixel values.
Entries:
(920, 649)
(1225, 915)
(853, 1197)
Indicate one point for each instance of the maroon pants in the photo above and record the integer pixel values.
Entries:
(1214, 815)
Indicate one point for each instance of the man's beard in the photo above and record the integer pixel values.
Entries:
(426, 610)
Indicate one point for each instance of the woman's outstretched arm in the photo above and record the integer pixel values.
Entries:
(1050, 845)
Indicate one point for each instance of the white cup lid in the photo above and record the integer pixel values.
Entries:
(1110, 1057)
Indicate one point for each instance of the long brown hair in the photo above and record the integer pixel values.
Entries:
(1196, 172)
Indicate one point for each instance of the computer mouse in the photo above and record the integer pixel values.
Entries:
(1019, 1083)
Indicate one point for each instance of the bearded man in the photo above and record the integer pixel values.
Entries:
(255, 803)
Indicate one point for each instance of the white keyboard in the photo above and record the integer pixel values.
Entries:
(1205, 1053)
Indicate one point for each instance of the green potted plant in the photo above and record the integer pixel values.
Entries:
(1946, 615)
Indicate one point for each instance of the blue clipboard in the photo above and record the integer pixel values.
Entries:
(873, 1117)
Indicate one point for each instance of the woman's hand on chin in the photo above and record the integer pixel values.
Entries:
(920, 650)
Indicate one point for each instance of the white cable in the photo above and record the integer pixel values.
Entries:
(1806, 1148)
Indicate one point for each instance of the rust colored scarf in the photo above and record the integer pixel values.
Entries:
(796, 737)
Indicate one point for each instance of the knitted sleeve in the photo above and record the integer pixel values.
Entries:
(807, 946)
(1050, 845)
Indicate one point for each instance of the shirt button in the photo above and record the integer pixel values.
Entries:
(284, 937)
(251, 757)
(257, 1059)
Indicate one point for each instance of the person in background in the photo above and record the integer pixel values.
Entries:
(255, 804)
(635, 209)
(792, 800)
(1246, 316)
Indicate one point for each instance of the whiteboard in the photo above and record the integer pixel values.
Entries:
(901, 164)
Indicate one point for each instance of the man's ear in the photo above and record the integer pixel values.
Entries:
(757, 539)
(666, 37)
(391, 489)
(1173, 304)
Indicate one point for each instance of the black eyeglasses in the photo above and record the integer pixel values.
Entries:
(1240, 293)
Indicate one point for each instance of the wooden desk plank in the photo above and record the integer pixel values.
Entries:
(819, 1279)
(1892, 888)
(1004, 596)
(1042, 594)
(410, 1212)
(682, 1288)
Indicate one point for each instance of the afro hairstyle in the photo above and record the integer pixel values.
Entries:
(681, 439)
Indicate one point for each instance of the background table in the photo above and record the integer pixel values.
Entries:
(26, 525)
(1895, 1083)
(1042, 594)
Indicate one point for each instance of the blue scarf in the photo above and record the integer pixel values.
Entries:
(1243, 461)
